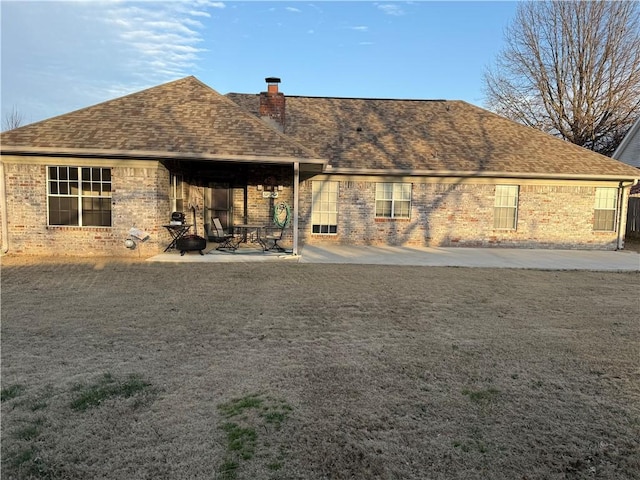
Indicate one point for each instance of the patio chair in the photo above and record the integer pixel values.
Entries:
(274, 235)
(226, 241)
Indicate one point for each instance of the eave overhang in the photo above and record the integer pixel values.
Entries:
(306, 164)
(310, 165)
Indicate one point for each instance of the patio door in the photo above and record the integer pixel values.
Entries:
(219, 204)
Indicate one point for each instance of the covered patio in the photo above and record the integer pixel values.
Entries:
(239, 191)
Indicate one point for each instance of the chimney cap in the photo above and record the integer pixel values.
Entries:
(272, 80)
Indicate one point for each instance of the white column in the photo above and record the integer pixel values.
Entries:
(296, 181)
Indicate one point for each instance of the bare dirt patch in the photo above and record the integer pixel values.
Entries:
(318, 371)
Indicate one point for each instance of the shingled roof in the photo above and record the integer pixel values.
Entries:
(431, 137)
(186, 119)
(180, 119)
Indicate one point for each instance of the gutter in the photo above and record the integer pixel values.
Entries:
(3, 209)
(479, 174)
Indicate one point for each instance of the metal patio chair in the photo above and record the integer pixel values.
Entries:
(226, 241)
(274, 235)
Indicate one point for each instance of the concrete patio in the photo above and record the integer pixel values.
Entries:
(423, 256)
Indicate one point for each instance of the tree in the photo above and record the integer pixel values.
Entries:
(13, 119)
(572, 69)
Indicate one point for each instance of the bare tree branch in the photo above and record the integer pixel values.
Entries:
(13, 119)
(572, 69)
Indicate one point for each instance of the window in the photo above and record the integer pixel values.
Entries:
(324, 209)
(176, 193)
(393, 200)
(604, 217)
(79, 196)
(505, 210)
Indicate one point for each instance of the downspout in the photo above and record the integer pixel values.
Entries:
(296, 180)
(3, 208)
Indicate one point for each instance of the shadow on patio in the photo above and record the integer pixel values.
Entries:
(245, 253)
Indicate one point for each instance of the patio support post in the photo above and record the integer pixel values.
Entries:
(296, 181)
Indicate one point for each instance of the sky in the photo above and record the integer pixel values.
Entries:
(60, 56)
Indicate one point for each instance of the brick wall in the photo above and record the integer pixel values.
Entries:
(461, 214)
(450, 213)
(139, 199)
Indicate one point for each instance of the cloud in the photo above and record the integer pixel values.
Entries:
(293, 9)
(360, 28)
(160, 39)
(391, 9)
(59, 56)
(207, 4)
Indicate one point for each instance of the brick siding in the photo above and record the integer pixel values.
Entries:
(451, 213)
(461, 214)
(139, 199)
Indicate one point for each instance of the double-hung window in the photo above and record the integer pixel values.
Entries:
(324, 208)
(79, 196)
(393, 200)
(505, 210)
(604, 218)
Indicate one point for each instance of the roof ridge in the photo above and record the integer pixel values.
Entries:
(104, 102)
(89, 120)
(355, 98)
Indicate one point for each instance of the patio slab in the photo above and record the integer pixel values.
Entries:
(476, 257)
(422, 256)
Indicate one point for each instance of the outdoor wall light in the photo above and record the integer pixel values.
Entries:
(280, 187)
(260, 188)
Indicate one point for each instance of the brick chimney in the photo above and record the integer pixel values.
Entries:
(272, 105)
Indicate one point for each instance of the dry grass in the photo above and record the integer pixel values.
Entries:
(318, 371)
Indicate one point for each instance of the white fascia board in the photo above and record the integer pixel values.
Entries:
(453, 173)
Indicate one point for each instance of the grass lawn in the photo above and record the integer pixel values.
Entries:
(300, 371)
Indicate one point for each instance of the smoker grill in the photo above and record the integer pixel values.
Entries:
(177, 217)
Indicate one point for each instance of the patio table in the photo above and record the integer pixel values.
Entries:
(176, 232)
(250, 233)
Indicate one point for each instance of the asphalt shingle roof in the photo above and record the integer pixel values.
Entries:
(430, 135)
(184, 116)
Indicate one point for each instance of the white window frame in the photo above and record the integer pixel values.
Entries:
(324, 207)
(393, 200)
(176, 192)
(87, 185)
(505, 207)
(605, 209)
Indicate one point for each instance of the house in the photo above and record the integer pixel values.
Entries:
(629, 152)
(629, 149)
(352, 171)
